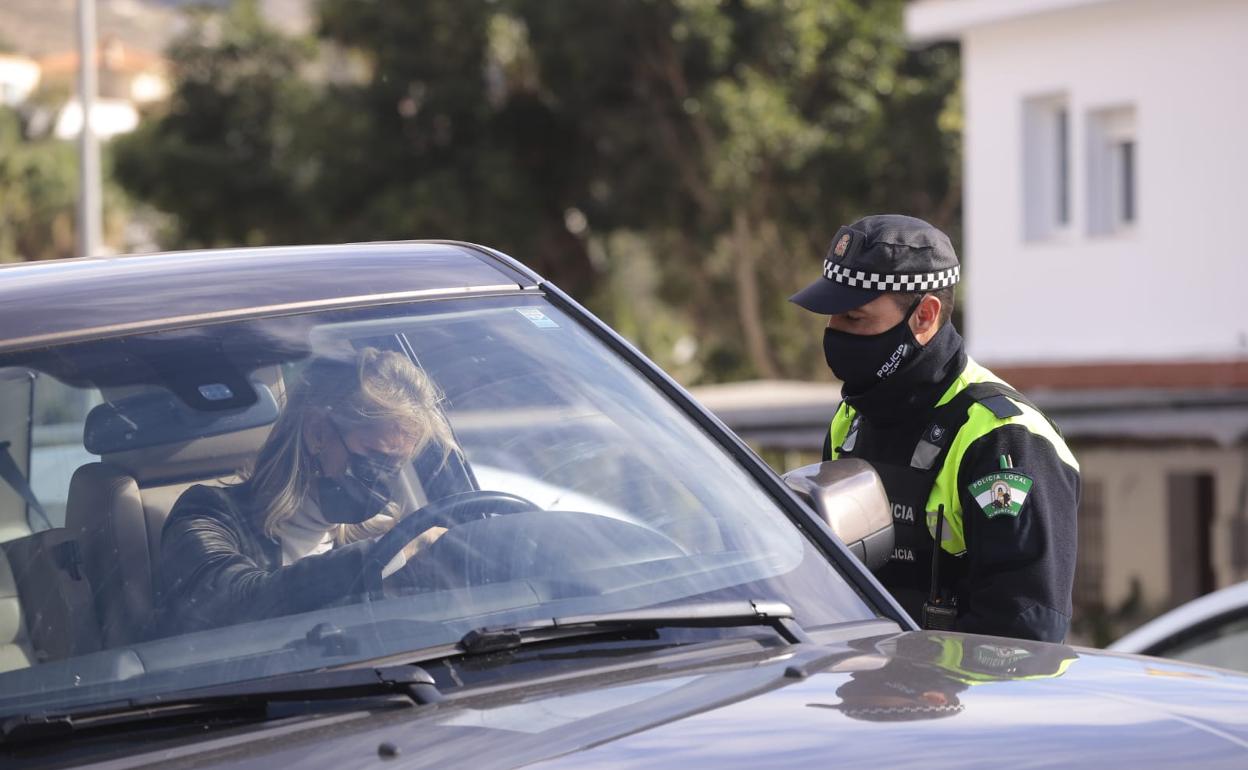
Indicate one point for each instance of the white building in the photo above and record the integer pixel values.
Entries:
(19, 77)
(1105, 168)
(128, 79)
(109, 118)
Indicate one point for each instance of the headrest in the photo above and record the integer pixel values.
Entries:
(157, 436)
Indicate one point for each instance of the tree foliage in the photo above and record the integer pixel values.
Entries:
(738, 136)
(680, 164)
(38, 188)
(224, 156)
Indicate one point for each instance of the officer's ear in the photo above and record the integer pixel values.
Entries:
(925, 320)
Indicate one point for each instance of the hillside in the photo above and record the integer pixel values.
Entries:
(40, 27)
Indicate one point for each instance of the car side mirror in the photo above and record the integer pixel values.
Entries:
(850, 497)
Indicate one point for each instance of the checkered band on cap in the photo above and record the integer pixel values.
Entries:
(884, 282)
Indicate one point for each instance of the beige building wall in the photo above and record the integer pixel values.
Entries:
(1136, 513)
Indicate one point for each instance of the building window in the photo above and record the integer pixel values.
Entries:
(1113, 171)
(1061, 165)
(1126, 163)
(1239, 538)
(1190, 508)
(1046, 167)
(1090, 556)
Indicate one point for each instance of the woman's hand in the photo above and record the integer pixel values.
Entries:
(420, 543)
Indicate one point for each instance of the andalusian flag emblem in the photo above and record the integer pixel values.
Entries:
(1001, 494)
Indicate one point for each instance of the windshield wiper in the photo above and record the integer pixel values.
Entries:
(727, 614)
(254, 698)
(241, 699)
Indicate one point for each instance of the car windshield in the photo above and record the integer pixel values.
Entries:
(222, 503)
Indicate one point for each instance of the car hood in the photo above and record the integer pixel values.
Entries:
(918, 699)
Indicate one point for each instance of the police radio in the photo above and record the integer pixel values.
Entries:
(939, 613)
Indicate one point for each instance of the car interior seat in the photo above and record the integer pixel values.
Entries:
(152, 447)
(15, 647)
(57, 610)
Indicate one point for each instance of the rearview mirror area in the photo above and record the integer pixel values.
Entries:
(850, 497)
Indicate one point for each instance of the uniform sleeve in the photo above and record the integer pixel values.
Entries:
(1021, 560)
(211, 581)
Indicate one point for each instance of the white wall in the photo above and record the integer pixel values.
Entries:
(109, 117)
(1175, 286)
(19, 77)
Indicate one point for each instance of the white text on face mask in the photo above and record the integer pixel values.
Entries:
(894, 361)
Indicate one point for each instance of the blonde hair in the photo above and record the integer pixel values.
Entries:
(375, 387)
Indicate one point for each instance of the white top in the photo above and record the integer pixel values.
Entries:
(308, 533)
(305, 533)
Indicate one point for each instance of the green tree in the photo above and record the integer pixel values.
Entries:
(446, 136)
(737, 136)
(224, 155)
(38, 188)
(680, 164)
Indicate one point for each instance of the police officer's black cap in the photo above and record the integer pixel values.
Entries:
(878, 254)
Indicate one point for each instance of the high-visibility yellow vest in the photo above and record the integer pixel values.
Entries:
(980, 421)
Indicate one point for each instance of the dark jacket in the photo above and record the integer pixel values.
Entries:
(217, 567)
(1014, 574)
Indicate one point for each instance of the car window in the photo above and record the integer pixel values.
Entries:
(236, 486)
(41, 436)
(574, 430)
(1222, 643)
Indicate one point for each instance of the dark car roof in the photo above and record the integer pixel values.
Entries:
(47, 302)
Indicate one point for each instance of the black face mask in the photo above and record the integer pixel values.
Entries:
(350, 500)
(863, 361)
(362, 493)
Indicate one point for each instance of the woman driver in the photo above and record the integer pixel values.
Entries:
(293, 535)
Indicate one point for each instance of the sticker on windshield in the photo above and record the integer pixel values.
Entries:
(537, 318)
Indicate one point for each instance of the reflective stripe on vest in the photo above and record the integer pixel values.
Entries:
(953, 660)
(980, 422)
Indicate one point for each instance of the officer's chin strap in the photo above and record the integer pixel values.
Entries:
(939, 614)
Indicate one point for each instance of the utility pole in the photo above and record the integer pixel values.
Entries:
(90, 216)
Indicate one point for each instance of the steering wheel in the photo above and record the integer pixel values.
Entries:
(443, 512)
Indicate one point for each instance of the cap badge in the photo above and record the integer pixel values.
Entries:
(841, 245)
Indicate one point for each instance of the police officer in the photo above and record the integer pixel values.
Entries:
(966, 460)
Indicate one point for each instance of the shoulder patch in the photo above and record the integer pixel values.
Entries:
(1001, 406)
(1001, 493)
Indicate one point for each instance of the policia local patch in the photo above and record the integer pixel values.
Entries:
(1001, 494)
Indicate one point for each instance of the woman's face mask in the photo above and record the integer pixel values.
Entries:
(863, 360)
(363, 489)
